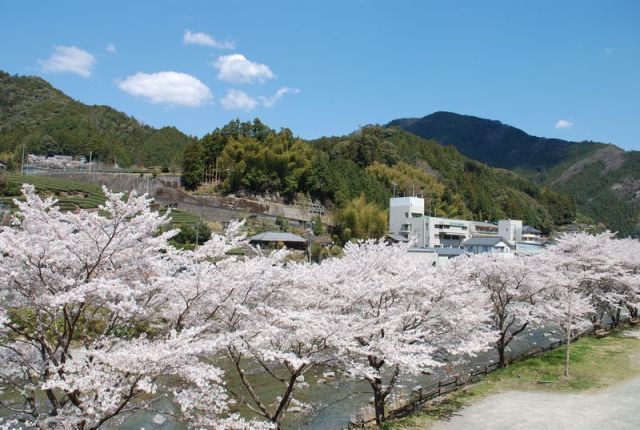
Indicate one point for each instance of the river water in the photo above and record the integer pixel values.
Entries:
(338, 400)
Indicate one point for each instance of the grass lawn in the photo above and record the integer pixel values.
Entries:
(595, 363)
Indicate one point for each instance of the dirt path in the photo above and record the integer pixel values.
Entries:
(612, 409)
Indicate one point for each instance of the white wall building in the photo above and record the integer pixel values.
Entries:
(510, 229)
(436, 234)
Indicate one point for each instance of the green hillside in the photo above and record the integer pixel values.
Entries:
(372, 162)
(603, 179)
(46, 121)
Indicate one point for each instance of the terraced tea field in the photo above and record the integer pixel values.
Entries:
(72, 195)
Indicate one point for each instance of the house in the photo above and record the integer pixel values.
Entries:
(478, 245)
(274, 239)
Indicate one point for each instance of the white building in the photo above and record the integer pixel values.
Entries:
(407, 219)
(436, 234)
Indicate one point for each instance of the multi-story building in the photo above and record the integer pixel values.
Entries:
(407, 220)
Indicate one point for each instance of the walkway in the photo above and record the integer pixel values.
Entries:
(612, 408)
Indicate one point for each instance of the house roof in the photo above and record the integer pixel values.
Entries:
(531, 230)
(485, 241)
(277, 236)
(440, 251)
(397, 237)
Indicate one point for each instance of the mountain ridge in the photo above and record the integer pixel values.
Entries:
(45, 120)
(603, 178)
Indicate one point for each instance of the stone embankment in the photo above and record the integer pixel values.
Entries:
(164, 189)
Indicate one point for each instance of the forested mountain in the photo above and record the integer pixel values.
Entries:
(46, 121)
(372, 161)
(603, 179)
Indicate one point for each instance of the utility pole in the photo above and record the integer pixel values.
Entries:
(22, 161)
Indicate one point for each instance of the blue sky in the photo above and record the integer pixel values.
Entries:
(567, 69)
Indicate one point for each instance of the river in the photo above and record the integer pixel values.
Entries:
(337, 401)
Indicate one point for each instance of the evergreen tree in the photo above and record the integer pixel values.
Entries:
(192, 165)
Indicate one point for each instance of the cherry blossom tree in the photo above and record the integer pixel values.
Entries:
(625, 253)
(398, 316)
(570, 266)
(84, 338)
(510, 283)
(266, 316)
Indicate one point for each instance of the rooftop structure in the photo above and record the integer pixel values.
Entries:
(273, 238)
(478, 245)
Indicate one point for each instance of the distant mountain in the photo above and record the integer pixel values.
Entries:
(603, 179)
(376, 162)
(453, 185)
(46, 121)
(493, 142)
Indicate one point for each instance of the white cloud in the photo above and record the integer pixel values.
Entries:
(190, 38)
(563, 123)
(237, 68)
(609, 50)
(270, 101)
(69, 59)
(236, 99)
(167, 87)
(111, 48)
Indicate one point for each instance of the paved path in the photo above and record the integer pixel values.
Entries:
(610, 409)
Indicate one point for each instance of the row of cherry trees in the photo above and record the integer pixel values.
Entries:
(99, 315)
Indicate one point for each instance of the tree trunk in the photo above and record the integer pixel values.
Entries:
(569, 320)
(501, 346)
(378, 401)
(286, 399)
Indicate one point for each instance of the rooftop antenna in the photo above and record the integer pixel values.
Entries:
(413, 190)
